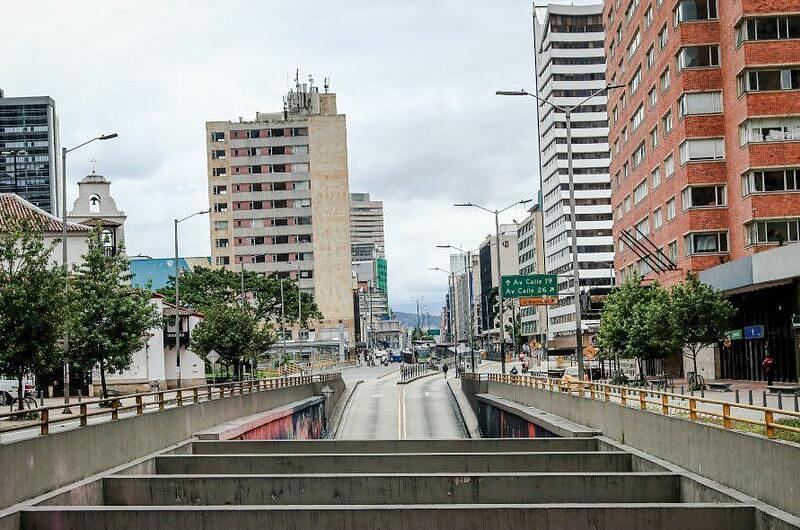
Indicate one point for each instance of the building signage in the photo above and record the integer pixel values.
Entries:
(734, 334)
(533, 285)
(543, 300)
(754, 332)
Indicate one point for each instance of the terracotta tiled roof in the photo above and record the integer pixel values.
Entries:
(171, 310)
(13, 207)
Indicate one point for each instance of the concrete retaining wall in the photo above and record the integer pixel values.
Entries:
(765, 469)
(42, 464)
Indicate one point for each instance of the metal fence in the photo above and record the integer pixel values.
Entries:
(410, 371)
(694, 408)
(44, 417)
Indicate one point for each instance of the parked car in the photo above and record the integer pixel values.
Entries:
(9, 388)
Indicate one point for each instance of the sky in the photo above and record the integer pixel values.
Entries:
(416, 80)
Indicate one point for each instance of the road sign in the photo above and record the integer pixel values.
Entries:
(754, 332)
(518, 286)
(542, 300)
(734, 334)
(434, 332)
(212, 357)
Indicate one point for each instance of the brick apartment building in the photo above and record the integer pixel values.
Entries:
(705, 154)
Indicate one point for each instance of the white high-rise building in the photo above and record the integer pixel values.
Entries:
(570, 66)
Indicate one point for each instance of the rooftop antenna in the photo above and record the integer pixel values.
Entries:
(94, 165)
(297, 79)
(327, 82)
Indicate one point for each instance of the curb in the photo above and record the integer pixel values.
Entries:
(419, 377)
(338, 418)
(472, 433)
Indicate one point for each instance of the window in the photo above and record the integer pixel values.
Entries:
(640, 192)
(221, 243)
(217, 136)
(624, 135)
(279, 221)
(777, 231)
(706, 243)
(628, 204)
(625, 171)
(299, 168)
(768, 180)
(637, 118)
(663, 36)
(758, 130)
(764, 80)
(639, 155)
(703, 196)
(699, 103)
(768, 28)
(302, 203)
(304, 220)
(255, 169)
(658, 218)
(221, 207)
(666, 122)
(652, 97)
(642, 228)
(218, 154)
(702, 149)
(671, 209)
(651, 57)
(631, 10)
(304, 238)
(219, 171)
(636, 80)
(672, 251)
(698, 56)
(223, 260)
(692, 10)
(655, 177)
(648, 16)
(219, 190)
(654, 137)
(300, 150)
(669, 165)
(220, 225)
(302, 185)
(614, 114)
(664, 79)
(636, 41)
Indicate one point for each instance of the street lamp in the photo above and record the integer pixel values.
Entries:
(468, 305)
(178, 300)
(451, 290)
(497, 263)
(567, 110)
(16, 153)
(64, 152)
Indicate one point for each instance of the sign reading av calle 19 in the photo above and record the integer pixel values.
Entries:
(530, 286)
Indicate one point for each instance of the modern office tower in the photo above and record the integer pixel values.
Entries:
(366, 227)
(487, 279)
(570, 66)
(706, 160)
(530, 246)
(278, 190)
(30, 155)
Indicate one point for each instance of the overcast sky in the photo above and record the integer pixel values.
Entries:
(416, 80)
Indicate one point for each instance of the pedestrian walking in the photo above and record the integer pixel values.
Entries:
(444, 370)
(768, 367)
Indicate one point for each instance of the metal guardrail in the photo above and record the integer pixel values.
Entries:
(158, 400)
(411, 371)
(666, 403)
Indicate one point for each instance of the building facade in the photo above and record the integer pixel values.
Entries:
(530, 247)
(366, 227)
(279, 195)
(570, 66)
(706, 162)
(30, 154)
(487, 275)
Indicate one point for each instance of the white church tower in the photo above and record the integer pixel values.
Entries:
(95, 205)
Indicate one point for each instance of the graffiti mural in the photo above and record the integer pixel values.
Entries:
(497, 423)
(305, 424)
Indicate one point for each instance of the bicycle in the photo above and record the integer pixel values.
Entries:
(27, 402)
(696, 382)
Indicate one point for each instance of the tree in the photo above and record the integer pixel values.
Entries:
(204, 288)
(32, 304)
(702, 315)
(109, 318)
(233, 333)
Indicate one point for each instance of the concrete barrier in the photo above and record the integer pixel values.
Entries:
(765, 469)
(587, 462)
(38, 465)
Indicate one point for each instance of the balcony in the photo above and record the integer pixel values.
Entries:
(169, 338)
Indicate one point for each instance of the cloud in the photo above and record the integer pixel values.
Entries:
(416, 80)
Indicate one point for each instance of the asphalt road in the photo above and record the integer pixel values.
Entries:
(380, 409)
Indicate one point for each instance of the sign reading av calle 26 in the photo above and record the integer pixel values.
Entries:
(530, 286)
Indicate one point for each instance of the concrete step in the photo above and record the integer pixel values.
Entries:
(396, 517)
(478, 488)
(587, 462)
(496, 445)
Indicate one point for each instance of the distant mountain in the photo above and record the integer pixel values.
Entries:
(410, 319)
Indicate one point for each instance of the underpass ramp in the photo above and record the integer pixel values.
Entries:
(532, 484)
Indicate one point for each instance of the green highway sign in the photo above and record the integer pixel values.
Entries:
(533, 285)
(433, 332)
(734, 334)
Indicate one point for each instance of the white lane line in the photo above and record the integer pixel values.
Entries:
(401, 412)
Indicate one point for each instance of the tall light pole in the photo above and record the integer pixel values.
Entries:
(497, 263)
(468, 306)
(568, 110)
(64, 152)
(178, 300)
